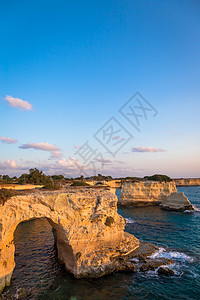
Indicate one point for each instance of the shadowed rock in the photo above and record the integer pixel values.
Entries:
(165, 271)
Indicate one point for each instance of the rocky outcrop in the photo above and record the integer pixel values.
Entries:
(88, 231)
(165, 271)
(187, 182)
(177, 202)
(145, 192)
(114, 183)
(20, 186)
(111, 183)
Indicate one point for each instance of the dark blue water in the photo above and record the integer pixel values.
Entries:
(38, 274)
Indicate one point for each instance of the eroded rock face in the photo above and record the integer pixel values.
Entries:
(89, 233)
(176, 201)
(145, 192)
(187, 182)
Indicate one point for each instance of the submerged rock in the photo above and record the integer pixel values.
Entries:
(140, 260)
(177, 202)
(152, 264)
(165, 271)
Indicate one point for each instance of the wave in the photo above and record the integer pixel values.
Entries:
(196, 208)
(162, 252)
(129, 221)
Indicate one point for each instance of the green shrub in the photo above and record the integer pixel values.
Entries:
(158, 177)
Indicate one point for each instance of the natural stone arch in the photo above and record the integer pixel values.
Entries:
(89, 232)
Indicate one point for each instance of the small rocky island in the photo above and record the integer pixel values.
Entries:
(177, 201)
(145, 193)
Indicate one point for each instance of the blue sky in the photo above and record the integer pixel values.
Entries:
(76, 63)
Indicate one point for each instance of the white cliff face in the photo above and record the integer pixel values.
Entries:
(89, 232)
(145, 192)
(176, 201)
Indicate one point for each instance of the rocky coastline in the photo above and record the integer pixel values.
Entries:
(187, 182)
(89, 233)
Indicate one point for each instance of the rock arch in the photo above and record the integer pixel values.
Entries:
(89, 233)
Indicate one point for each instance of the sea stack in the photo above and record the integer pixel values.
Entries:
(177, 202)
(145, 192)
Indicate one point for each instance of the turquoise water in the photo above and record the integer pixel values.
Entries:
(38, 274)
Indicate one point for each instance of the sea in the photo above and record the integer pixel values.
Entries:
(38, 274)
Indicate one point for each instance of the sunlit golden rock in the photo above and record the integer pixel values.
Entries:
(89, 232)
(145, 192)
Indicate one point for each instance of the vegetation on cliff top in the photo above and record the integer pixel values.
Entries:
(54, 181)
(38, 178)
(158, 177)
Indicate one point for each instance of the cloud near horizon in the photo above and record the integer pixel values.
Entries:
(147, 149)
(8, 164)
(7, 140)
(19, 103)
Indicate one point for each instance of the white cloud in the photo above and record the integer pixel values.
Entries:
(19, 103)
(55, 155)
(55, 151)
(71, 163)
(40, 146)
(147, 149)
(104, 161)
(8, 164)
(65, 163)
(7, 140)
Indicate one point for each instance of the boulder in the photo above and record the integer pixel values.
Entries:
(177, 202)
(152, 264)
(165, 271)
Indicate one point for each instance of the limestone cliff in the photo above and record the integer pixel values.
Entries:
(145, 192)
(14, 186)
(177, 202)
(111, 183)
(187, 181)
(89, 233)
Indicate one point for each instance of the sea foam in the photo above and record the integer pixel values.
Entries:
(129, 220)
(162, 252)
